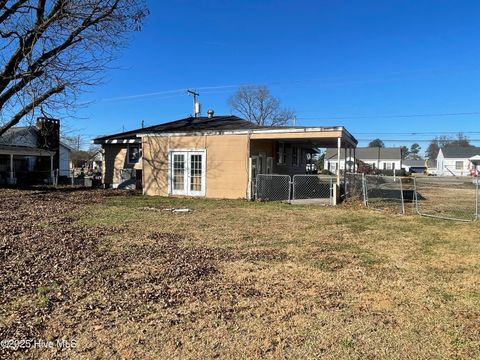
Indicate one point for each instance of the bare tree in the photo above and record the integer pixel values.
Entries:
(52, 49)
(257, 105)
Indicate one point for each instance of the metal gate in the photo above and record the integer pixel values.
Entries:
(271, 187)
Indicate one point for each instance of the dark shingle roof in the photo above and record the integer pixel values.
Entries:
(190, 124)
(368, 153)
(414, 163)
(15, 133)
(456, 152)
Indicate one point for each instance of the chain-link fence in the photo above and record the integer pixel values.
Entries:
(316, 188)
(454, 198)
(354, 187)
(384, 193)
(272, 187)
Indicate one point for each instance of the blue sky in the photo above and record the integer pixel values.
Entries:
(372, 66)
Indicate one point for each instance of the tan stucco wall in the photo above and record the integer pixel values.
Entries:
(115, 159)
(226, 165)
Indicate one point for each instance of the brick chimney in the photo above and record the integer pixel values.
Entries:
(49, 137)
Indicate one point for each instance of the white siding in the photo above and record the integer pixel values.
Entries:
(64, 161)
(382, 164)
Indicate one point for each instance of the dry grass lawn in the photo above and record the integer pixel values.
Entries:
(235, 279)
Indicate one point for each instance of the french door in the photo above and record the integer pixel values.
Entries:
(187, 173)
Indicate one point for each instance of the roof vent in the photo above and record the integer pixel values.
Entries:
(210, 113)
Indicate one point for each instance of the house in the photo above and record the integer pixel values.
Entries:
(31, 154)
(376, 158)
(458, 161)
(415, 166)
(214, 156)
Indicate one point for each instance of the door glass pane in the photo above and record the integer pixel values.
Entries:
(178, 171)
(196, 172)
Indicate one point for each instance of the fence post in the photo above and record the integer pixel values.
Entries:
(365, 191)
(401, 195)
(331, 191)
(290, 185)
(293, 187)
(476, 197)
(415, 196)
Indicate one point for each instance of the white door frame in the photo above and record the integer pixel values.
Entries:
(187, 171)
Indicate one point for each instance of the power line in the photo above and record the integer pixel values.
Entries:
(438, 133)
(388, 116)
(412, 140)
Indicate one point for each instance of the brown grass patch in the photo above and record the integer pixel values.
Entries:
(233, 279)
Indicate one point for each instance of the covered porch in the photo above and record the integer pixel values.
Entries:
(290, 152)
(25, 165)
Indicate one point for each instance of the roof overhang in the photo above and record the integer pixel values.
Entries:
(317, 135)
(24, 151)
(118, 141)
(475, 160)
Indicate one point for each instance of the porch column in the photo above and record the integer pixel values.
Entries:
(355, 160)
(345, 164)
(339, 148)
(51, 169)
(12, 174)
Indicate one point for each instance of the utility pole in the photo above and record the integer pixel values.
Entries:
(194, 94)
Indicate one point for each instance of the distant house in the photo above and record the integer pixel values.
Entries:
(376, 158)
(31, 154)
(213, 157)
(458, 161)
(421, 166)
(415, 166)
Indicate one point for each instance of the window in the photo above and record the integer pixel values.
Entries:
(133, 154)
(458, 165)
(281, 154)
(178, 172)
(387, 166)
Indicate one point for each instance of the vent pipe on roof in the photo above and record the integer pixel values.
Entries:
(210, 113)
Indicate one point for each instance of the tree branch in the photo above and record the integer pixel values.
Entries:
(26, 109)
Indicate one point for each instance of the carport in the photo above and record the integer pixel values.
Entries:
(288, 151)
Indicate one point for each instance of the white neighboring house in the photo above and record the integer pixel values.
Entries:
(64, 160)
(458, 161)
(21, 154)
(377, 158)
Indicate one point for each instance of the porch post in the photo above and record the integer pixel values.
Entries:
(339, 148)
(355, 160)
(51, 169)
(12, 174)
